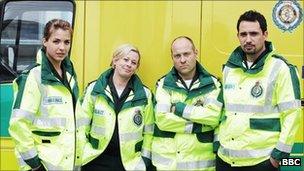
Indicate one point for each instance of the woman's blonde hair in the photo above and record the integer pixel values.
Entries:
(124, 50)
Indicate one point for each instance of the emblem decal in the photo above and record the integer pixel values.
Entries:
(257, 90)
(137, 119)
(287, 14)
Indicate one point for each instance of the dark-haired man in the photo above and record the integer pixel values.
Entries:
(261, 99)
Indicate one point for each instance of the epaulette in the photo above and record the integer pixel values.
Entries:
(91, 83)
(159, 80)
(28, 69)
(283, 59)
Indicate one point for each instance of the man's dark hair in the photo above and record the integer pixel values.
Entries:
(253, 16)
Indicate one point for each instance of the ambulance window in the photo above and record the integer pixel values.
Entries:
(22, 30)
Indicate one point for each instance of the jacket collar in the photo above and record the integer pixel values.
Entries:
(237, 57)
(204, 82)
(101, 88)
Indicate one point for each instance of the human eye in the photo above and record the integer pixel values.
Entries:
(67, 42)
(243, 34)
(186, 54)
(177, 56)
(126, 59)
(254, 33)
(134, 63)
(56, 41)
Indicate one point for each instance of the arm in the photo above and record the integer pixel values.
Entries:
(84, 111)
(165, 119)
(207, 113)
(148, 130)
(27, 99)
(287, 93)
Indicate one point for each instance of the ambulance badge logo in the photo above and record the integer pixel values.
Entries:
(287, 15)
(137, 119)
(257, 90)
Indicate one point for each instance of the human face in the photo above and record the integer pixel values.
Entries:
(126, 66)
(252, 38)
(184, 58)
(58, 45)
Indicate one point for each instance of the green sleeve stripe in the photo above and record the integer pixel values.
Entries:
(33, 162)
(179, 109)
(21, 80)
(295, 82)
(279, 155)
(220, 97)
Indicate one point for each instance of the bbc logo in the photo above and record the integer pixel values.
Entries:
(291, 162)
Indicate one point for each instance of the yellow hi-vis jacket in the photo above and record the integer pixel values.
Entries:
(262, 109)
(42, 123)
(135, 122)
(183, 139)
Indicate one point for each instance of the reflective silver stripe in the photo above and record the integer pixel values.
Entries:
(77, 168)
(21, 162)
(195, 164)
(162, 108)
(289, 105)
(140, 165)
(146, 153)
(98, 130)
(149, 128)
(19, 113)
(156, 158)
(130, 136)
(271, 81)
(187, 111)
(188, 127)
(226, 70)
(49, 166)
(213, 101)
(284, 147)
(49, 122)
(245, 153)
(246, 108)
(82, 122)
(215, 138)
(29, 154)
(42, 107)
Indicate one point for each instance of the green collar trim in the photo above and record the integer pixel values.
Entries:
(236, 59)
(47, 76)
(206, 83)
(139, 93)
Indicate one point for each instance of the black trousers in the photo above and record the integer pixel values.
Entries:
(263, 166)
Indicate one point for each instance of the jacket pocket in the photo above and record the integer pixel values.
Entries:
(46, 136)
(266, 124)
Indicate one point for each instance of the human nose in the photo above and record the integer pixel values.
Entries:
(61, 46)
(183, 59)
(248, 39)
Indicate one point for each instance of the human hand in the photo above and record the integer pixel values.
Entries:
(274, 162)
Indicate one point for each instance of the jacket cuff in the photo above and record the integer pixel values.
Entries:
(33, 162)
(216, 146)
(179, 109)
(279, 155)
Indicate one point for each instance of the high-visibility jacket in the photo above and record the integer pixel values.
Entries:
(183, 139)
(42, 123)
(135, 122)
(262, 109)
